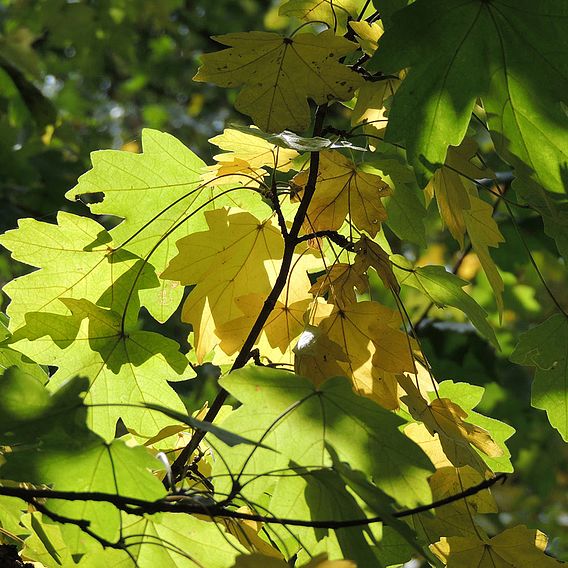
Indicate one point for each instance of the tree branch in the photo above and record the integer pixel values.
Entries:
(188, 506)
(290, 242)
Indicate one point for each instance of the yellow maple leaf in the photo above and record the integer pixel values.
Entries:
(370, 254)
(342, 190)
(339, 282)
(254, 150)
(237, 255)
(447, 419)
(451, 186)
(456, 518)
(463, 211)
(333, 12)
(283, 325)
(366, 345)
(518, 547)
(370, 106)
(279, 74)
(235, 172)
(257, 560)
(317, 357)
(367, 35)
(484, 233)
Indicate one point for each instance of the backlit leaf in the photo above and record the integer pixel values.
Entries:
(279, 74)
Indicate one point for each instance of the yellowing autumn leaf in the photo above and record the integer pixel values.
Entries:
(484, 233)
(339, 283)
(333, 12)
(284, 324)
(463, 211)
(236, 256)
(371, 345)
(370, 107)
(235, 172)
(279, 74)
(519, 547)
(447, 419)
(258, 560)
(344, 190)
(256, 151)
(371, 255)
(451, 186)
(317, 357)
(367, 35)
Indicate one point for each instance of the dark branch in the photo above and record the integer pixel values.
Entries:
(189, 506)
(290, 242)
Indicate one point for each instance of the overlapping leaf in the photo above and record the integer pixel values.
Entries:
(279, 74)
(333, 12)
(372, 346)
(445, 289)
(278, 405)
(53, 447)
(238, 255)
(495, 50)
(344, 190)
(124, 366)
(158, 195)
(517, 547)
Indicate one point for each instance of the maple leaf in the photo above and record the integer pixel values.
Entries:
(282, 326)
(517, 547)
(333, 12)
(370, 254)
(368, 34)
(280, 73)
(123, 364)
(356, 428)
(204, 542)
(343, 189)
(252, 149)
(339, 282)
(238, 255)
(450, 184)
(484, 233)
(445, 289)
(151, 192)
(58, 450)
(449, 82)
(545, 348)
(447, 419)
(75, 259)
(372, 346)
(262, 561)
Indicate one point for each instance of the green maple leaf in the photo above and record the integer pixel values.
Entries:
(321, 495)
(184, 541)
(53, 447)
(279, 74)
(545, 347)
(125, 366)
(75, 261)
(158, 196)
(355, 427)
(445, 289)
(513, 55)
(151, 192)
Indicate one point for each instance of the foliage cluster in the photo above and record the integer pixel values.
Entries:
(360, 265)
